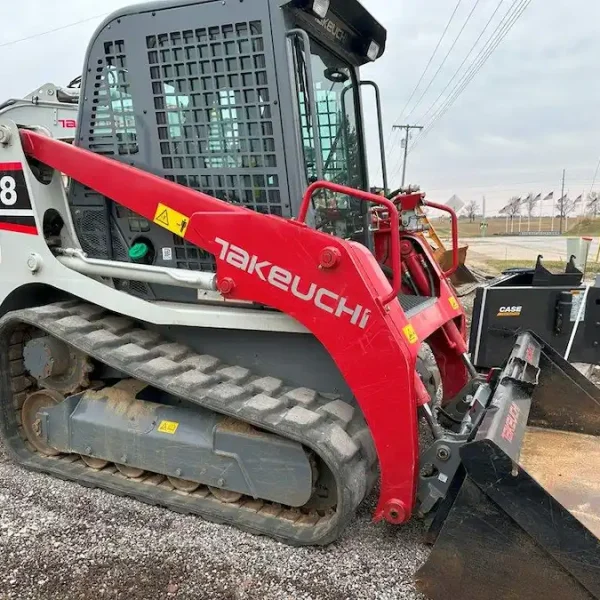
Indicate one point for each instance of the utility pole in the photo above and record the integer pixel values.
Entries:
(562, 203)
(407, 128)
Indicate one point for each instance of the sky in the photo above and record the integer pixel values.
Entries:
(530, 111)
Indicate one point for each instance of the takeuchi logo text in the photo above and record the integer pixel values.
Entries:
(282, 279)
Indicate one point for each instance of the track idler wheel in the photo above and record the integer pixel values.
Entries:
(31, 422)
(56, 366)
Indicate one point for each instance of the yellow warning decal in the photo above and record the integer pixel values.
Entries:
(453, 302)
(411, 334)
(168, 427)
(172, 220)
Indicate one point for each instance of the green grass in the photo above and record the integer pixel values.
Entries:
(555, 266)
(589, 227)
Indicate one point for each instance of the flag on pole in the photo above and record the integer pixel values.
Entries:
(542, 207)
(550, 196)
(538, 198)
(578, 199)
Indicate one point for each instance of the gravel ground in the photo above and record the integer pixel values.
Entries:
(62, 541)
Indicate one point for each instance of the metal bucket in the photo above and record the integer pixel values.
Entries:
(523, 520)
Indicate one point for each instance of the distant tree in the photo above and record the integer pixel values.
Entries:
(593, 204)
(565, 207)
(531, 202)
(472, 208)
(512, 209)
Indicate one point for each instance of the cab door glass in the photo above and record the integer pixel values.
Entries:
(335, 96)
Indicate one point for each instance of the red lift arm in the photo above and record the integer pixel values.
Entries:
(333, 287)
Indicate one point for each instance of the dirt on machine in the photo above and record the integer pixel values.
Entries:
(215, 317)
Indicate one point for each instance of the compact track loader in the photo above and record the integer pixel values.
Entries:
(195, 326)
(51, 107)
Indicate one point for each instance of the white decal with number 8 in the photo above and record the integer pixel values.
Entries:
(8, 190)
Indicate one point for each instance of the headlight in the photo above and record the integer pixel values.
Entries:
(320, 8)
(373, 51)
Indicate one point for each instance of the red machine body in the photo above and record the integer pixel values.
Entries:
(335, 288)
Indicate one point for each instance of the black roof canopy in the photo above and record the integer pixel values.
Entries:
(348, 24)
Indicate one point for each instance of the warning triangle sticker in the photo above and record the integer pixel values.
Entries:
(163, 218)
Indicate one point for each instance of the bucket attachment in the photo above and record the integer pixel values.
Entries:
(462, 275)
(522, 520)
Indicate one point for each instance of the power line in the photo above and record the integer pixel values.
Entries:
(488, 48)
(391, 133)
(399, 162)
(500, 33)
(497, 187)
(595, 175)
(508, 186)
(445, 58)
(36, 35)
(430, 60)
(476, 67)
(464, 61)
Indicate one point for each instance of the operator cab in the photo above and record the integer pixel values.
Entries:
(340, 37)
(246, 101)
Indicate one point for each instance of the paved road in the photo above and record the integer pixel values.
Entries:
(522, 248)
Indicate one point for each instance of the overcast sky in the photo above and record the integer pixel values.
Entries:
(531, 111)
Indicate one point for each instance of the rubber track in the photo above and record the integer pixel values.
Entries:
(333, 429)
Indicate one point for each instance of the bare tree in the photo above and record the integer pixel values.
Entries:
(565, 207)
(512, 210)
(472, 208)
(531, 202)
(593, 203)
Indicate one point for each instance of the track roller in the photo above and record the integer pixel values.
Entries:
(183, 485)
(94, 463)
(129, 471)
(226, 496)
